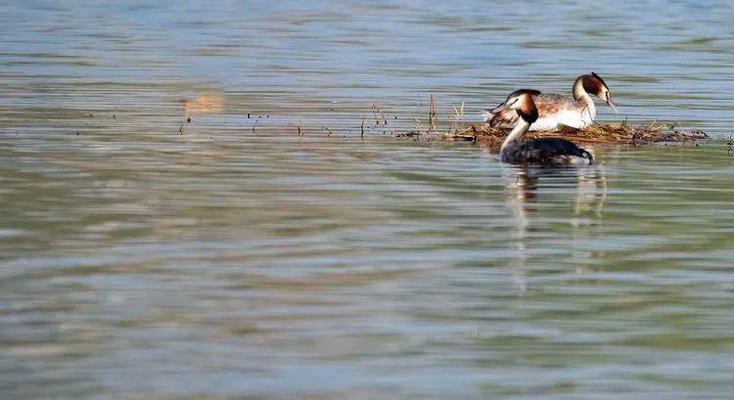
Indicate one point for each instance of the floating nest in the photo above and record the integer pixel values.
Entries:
(594, 134)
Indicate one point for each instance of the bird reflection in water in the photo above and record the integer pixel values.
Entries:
(523, 187)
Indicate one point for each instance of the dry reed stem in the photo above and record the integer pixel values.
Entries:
(432, 115)
(374, 112)
(457, 117)
(377, 112)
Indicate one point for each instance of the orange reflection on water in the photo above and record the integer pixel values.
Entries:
(203, 104)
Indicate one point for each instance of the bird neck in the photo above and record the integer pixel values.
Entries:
(582, 96)
(517, 135)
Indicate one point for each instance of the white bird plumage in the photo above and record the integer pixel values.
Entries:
(553, 109)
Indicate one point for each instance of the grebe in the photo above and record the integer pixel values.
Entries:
(548, 151)
(555, 109)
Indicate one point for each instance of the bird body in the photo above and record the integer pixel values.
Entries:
(554, 109)
(516, 149)
(547, 151)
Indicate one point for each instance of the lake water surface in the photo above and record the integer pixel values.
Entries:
(144, 257)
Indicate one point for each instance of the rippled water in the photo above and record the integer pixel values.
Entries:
(145, 257)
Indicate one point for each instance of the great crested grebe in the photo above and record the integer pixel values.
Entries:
(554, 109)
(547, 151)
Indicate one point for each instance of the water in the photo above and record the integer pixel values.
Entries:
(145, 257)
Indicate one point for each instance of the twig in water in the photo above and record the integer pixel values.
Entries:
(379, 115)
(254, 125)
(417, 125)
(300, 128)
(374, 112)
(362, 128)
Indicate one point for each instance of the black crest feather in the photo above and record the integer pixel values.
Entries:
(531, 92)
(599, 78)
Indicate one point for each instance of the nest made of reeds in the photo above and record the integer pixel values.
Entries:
(595, 134)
